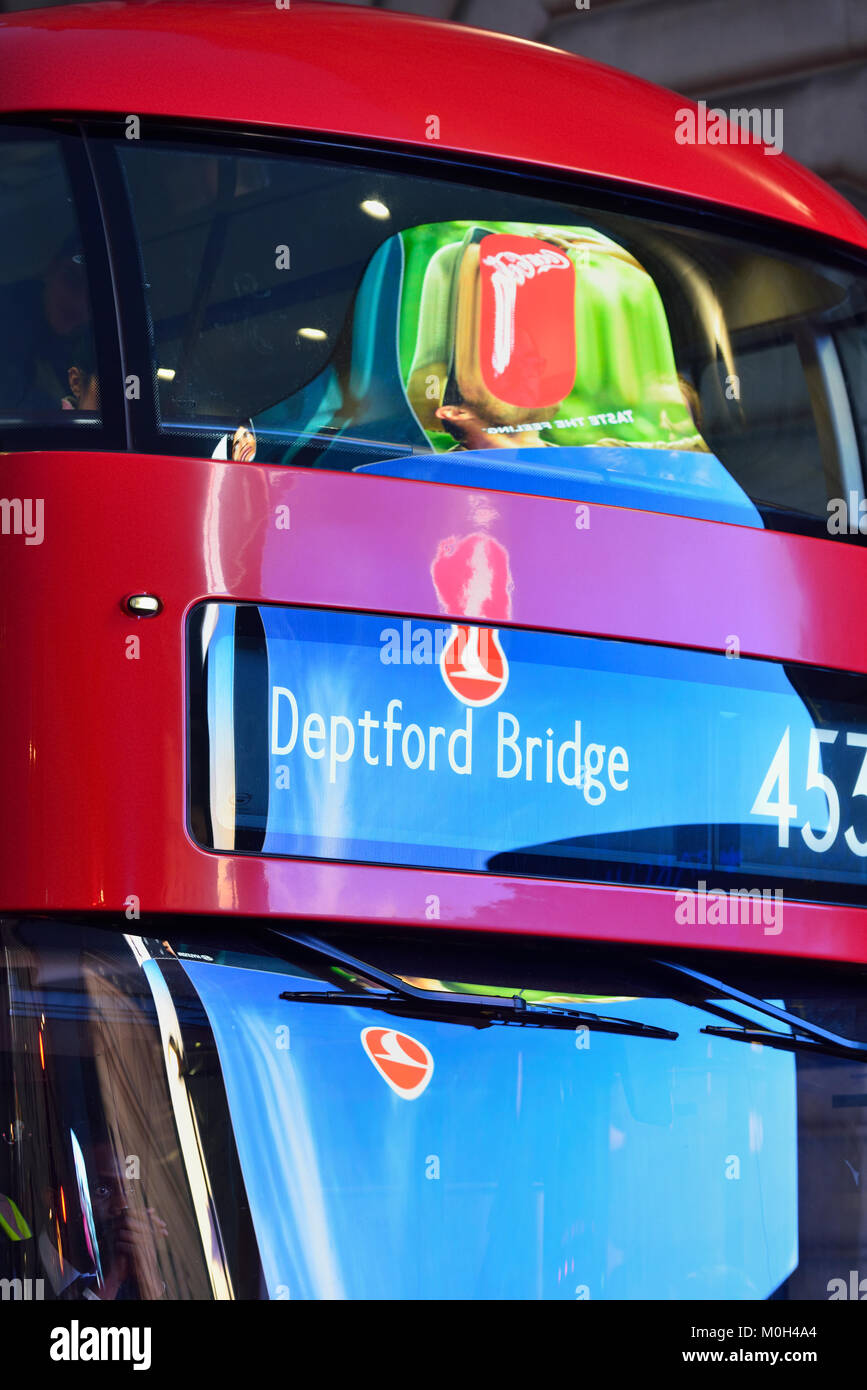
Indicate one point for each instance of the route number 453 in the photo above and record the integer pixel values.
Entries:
(782, 810)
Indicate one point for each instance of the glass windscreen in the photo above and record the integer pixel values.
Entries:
(368, 737)
(308, 312)
(204, 1113)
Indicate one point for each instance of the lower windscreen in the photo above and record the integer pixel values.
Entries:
(387, 740)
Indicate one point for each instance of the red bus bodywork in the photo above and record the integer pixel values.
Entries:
(94, 786)
(300, 69)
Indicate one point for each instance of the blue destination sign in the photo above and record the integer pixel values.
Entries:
(387, 740)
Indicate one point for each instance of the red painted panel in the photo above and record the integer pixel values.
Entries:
(93, 803)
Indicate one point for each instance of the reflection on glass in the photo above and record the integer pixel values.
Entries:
(458, 333)
(96, 1172)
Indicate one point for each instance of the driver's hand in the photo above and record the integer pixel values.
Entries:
(135, 1241)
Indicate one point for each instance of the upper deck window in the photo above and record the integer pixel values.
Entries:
(311, 312)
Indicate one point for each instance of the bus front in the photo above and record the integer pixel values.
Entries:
(434, 702)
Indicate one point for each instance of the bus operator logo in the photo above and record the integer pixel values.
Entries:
(474, 665)
(403, 1062)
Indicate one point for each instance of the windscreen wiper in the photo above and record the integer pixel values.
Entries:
(408, 1001)
(805, 1037)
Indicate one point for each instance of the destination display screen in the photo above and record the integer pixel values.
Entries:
(387, 740)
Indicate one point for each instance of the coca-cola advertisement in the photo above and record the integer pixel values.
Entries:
(514, 335)
(463, 349)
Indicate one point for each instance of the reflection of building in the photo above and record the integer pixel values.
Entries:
(800, 58)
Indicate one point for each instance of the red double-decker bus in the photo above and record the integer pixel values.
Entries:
(434, 697)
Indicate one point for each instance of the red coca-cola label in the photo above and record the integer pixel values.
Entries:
(527, 323)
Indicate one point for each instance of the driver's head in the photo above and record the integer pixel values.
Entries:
(64, 296)
(110, 1189)
(82, 374)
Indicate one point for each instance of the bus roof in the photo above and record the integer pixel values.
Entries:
(380, 76)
